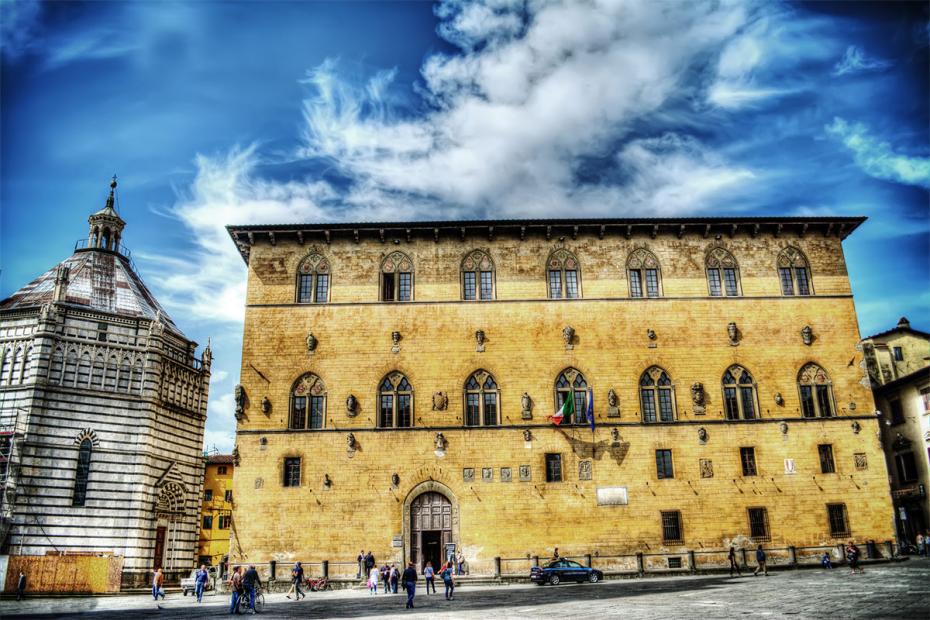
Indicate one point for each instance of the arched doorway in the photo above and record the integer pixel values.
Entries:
(430, 528)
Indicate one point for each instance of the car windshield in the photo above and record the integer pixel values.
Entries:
(572, 564)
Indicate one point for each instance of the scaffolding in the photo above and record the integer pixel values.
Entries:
(12, 431)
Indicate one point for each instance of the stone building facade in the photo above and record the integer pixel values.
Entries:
(398, 379)
(102, 407)
(216, 511)
(899, 366)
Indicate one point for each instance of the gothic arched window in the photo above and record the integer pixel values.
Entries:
(82, 473)
(396, 277)
(657, 396)
(816, 392)
(5, 367)
(71, 365)
(477, 276)
(16, 373)
(563, 275)
(56, 367)
(125, 370)
(27, 364)
(136, 381)
(313, 280)
(722, 273)
(112, 366)
(482, 398)
(83, 374)
(644, 274)
(97, 376)
(571, 384)
(395, 402)
(739, 394)
(308, 403)
(794, 272)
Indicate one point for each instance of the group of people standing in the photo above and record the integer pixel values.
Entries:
(391, 577)
(852, 558)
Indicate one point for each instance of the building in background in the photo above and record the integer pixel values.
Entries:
(216, 512)
(399, 380)
(102, 407)
(898, 361)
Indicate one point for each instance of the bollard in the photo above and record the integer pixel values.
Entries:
(841, 549)
(535, 560)
(273, 565)
(587, 558)
(889, 549)
(640, 568)
(792, 557)
(743, 553)
(497, 567)
(692, 562)
(326, 568)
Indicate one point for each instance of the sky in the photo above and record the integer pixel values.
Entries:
(215, 113)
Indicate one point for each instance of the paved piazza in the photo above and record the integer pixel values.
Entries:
(883, 591)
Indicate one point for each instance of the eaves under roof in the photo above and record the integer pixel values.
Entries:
(244, 236)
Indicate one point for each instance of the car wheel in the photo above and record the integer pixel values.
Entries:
(593, 578)
(554, 580)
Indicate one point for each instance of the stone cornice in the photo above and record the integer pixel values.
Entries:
(705, 227)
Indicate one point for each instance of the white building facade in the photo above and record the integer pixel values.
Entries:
(103, 404)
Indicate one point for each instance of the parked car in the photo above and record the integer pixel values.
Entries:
(561, 570)
(187, 584)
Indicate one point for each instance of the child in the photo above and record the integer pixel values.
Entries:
(373, 578)
(825, 561)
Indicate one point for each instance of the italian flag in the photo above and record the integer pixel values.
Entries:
(567, 409)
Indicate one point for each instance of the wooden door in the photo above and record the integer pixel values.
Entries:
(159, 557)
(430, 512)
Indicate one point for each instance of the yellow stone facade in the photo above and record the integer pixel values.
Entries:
(216, 510)
(349, 498)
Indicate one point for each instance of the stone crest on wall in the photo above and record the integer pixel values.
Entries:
(527, 404)
(613, 410)
(584, 470)
(698, 397)
(440, 401)
(707, 468)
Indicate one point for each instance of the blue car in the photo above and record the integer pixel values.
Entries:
(561, 570)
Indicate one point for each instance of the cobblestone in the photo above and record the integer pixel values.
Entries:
(883, 591)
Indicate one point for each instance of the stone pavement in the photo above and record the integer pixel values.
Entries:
(900, 590)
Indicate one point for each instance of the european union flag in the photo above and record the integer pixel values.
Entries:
(589, 413)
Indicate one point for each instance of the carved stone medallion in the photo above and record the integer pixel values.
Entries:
(487, 474)
(506, 474)
(525, 475)
(468, 474)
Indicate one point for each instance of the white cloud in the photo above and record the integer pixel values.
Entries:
(855, 61)
(877, 158)
(19, 27)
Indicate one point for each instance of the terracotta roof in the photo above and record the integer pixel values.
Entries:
(99, 280)
(220, 459)
(903, 326)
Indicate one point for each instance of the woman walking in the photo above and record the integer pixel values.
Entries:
(852, 556)
(448, 579)
(428, 575)
(373, 576)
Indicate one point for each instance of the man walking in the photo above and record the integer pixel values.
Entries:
(200, 582)
(250, 581)
(297, 578)
(235, 586)
(21, 586)
(733, 564)
(760, 560)
(362, 565)
(410, 583)
(157, 582)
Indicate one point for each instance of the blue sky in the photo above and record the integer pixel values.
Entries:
(214, 113)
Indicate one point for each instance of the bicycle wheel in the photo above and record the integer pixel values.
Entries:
(259, 603)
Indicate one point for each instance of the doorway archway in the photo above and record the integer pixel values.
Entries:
(431, 523)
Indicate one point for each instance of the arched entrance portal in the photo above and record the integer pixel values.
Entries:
(430, 528)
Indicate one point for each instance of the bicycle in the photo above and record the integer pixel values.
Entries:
(243, 606)
(318, 585)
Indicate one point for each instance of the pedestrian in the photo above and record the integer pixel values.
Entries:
(386, 578)
(825, 561)
(428, 576)
(734, 566)
(373, 576)
(235, 586)
(760, 561)
(21, 586)
(200, 582)
(447, 579)
(852, 556)
(460, 563)
(410, 583)
(369, 562)
(250, 582)
(297, 578)
(393, 578)
(362, 569)
(158, 580)
(921, 543)
(555, 554)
